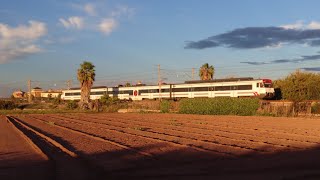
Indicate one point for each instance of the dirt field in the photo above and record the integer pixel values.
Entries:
(172, 146)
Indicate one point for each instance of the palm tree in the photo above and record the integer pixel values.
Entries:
(206, 72)
(86, 75)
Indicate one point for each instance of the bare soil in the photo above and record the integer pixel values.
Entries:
(176, 146)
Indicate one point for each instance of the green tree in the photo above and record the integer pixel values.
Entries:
(206, 72)
(127, 84)
(299, 86)
(86, 76)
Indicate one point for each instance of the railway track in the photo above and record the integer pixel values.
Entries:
(66, 163)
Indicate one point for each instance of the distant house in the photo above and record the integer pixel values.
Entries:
(18, 94)
(36, 92)
(51, 93)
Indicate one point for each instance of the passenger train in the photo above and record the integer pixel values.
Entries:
(231, 87)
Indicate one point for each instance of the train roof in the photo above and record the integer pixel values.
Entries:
(220, 80)
(95, 87)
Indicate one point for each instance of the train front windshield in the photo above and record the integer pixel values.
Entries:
(267, 83)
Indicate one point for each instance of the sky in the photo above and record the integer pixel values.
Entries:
(45, 41)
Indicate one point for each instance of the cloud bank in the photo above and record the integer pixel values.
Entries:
(280, 61)
(312, 69)
(17, 42)
(260, 37)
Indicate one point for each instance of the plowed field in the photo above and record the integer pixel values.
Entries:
(175, 146)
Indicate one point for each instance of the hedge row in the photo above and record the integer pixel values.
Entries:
(7, 105)
(219, 106)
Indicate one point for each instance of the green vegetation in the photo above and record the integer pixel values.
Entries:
(7, 105)
(315, 108)
(164, 106)
(206, 72)
(72, 105)
(220, 106)
(86, 76)
(299, 86)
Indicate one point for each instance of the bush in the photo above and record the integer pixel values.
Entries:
(220, 106)
(106, 100)
(7, 105)
(315, 108)
(57, 100)
(164, 106)
(72, 105)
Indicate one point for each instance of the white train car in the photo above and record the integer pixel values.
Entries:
(232, 87)
(74, 93)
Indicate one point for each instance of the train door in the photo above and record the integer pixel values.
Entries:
(234, 91)
(191, 92)
(135, 94)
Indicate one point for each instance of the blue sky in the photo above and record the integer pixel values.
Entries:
(46, 40)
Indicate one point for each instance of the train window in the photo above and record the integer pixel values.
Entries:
(222, 88)
(113, 92)
(143, 91)
(98, 93)
(153, 90)
(130, 92)
(165, 90)
(244, 87)
(180, 89)
(72, 94)
(234, 87)
(257, 84)
(201, 89)
(268, 85)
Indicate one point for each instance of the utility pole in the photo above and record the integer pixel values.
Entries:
(29, 87)
(192, 74)
(159, 81)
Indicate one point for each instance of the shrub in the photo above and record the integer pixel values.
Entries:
(7, 105)
(72, 105)
(106, 100)
(219, 106)
(315, 108)
(57, 100)
(164, 106)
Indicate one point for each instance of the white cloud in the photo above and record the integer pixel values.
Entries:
(107, 25)
(20, 41)
(35, 30)
(90, 9)
(301, 25)
(314, 25)
(73, 22)
(297, 25)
